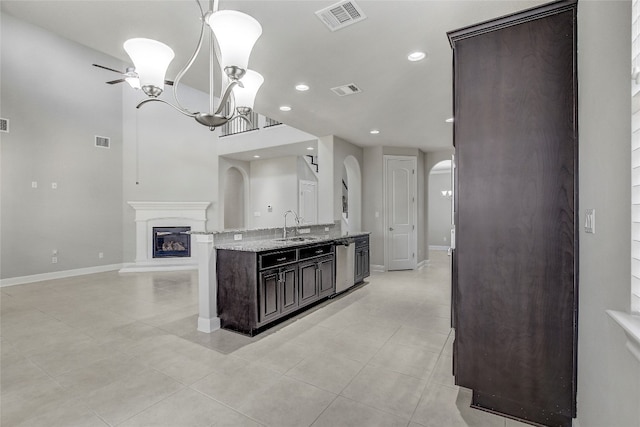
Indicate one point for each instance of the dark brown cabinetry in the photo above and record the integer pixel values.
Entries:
(278, 292)
(361, 269)
(515, 258)
(255, 289)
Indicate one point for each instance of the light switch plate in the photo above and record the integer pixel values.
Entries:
(590, 221)
(237, 237)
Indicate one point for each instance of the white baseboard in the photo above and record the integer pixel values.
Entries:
(377, 268)
(438, 248)
(145, 267)
(11, 281)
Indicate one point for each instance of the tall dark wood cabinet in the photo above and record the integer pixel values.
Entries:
(515, 276)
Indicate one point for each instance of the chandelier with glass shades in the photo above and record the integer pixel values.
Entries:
(235, 33)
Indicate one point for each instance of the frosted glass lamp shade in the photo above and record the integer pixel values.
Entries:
(236, 33)
(246, 96)
(151, 60)
(134, 82)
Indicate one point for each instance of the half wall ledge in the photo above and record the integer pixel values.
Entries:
(631, 326)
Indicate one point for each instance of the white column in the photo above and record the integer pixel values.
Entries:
(208, 320)
(142, 240)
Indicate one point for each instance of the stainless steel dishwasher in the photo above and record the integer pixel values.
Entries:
(345, 261)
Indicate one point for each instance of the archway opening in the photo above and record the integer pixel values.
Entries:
(440, 206)
(234, 199)
(352, 192)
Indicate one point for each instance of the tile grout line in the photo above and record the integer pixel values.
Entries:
(428, 382)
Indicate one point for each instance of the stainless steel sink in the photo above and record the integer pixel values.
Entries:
(298, 239)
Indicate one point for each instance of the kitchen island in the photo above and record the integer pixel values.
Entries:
(263, 282)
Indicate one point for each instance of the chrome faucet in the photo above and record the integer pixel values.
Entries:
(284, 229)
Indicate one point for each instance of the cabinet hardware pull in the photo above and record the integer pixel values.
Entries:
(319, 251)
(281, 259)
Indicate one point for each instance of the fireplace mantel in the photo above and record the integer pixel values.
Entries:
(165, 214)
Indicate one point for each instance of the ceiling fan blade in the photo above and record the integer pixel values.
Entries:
(112, 82)
(107, 68)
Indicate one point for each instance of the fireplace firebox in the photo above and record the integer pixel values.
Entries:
(171, 242)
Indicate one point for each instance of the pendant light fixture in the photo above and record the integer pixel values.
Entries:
(236, 33)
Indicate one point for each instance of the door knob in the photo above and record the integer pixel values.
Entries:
(390, 228)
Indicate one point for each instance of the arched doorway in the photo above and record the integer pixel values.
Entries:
(439, 205)
(234, 199)
(352, 193)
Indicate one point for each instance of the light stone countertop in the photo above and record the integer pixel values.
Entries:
(275, 244)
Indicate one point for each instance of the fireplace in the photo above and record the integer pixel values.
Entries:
(171, 242)
(166, 216)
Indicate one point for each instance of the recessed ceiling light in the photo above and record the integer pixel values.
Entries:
(302, 87)
(416, 56)
(374, 131)
(449, 120)
(256, 157)
(285, 108)
(310, 148)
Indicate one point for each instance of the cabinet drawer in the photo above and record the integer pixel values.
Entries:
(314, 251)
(276, 258)
(362, 241)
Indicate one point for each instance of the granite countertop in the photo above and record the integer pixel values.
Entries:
(274, 244)
(245, 230)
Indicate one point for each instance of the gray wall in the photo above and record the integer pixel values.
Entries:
(372, 202)
(608, 375)
(274, 182)
(167, 157)
(57, 102)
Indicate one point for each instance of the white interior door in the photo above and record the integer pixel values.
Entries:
(308, 205)
(401, 241)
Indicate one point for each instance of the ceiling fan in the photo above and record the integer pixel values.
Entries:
(130, 76)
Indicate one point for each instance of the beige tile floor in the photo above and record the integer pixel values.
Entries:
(122, 350)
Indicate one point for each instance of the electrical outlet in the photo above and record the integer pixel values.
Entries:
(34, 184)
(100, 255)
(54, 185)
(237, 237)
(54, 260)
(326, 229)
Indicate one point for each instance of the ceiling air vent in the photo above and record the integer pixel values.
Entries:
(4, 125)
(341, 14)
(103, 141)
(345, 90)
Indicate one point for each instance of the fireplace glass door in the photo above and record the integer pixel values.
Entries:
(171, 242)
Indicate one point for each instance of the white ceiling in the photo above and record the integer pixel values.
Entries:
(407, 101)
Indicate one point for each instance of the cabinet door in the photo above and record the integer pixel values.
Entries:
(269, 297)
(289, 288)
(515, 274)
(326, 281)
(359, 267)
(308, 282)
(365, 262)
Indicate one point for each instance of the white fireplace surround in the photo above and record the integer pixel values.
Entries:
(165, 214)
